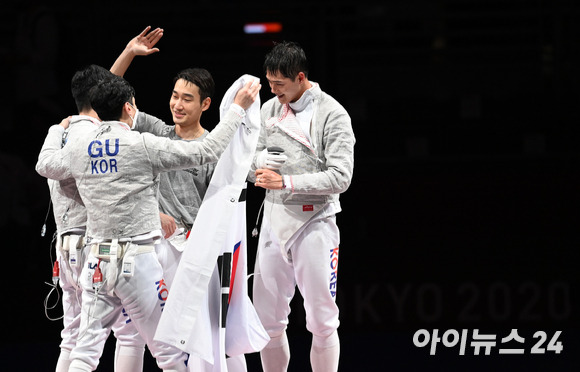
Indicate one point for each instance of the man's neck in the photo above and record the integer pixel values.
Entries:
(307, 85)
(90, 113)
(189, 132)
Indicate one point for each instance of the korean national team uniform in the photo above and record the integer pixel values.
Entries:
(117, 173)
(70, 217)
(299, 238)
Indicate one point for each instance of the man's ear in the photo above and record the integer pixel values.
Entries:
(205, 104)
(127, 108)
(301, 77)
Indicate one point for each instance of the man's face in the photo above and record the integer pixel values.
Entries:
(185, 104)
(286, 89)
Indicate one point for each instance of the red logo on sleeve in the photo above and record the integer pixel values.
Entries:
(307, 208)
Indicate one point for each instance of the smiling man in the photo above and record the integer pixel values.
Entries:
(299, 238)
(288, 90)
(191, 96)
(181, 191)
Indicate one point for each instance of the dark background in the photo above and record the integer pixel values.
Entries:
(462, 213)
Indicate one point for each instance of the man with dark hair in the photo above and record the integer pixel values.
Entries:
(116, 173)
(81, 84)
(70, 217)
(180, 191)
(299, 238)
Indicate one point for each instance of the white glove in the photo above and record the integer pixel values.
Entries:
(266, 160)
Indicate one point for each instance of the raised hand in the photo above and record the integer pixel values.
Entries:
(143, 44)
(247, 94)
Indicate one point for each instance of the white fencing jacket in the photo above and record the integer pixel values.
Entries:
(69, 211)
(116, 171)
(319, 165)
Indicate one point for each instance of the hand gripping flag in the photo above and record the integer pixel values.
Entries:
(217, 225)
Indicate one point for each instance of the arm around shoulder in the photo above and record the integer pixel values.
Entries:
(51, 162)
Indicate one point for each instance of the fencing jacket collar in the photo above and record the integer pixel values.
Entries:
(296, 117)
(307, 97)
(76, 118)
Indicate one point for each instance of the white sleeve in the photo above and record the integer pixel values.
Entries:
(51, 162)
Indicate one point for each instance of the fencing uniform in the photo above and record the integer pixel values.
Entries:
(180, 194)
(299, 239)
(70, 218)
(176, 196)
(117, 171)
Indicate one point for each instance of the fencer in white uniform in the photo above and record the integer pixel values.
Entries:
(70, 218)
(299, 238)
(116, 173)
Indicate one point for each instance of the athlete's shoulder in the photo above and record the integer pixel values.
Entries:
(150, 124)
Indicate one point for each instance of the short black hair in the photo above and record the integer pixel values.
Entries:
(82, 82)
(201, 78)
(109, 96)
(287, 58)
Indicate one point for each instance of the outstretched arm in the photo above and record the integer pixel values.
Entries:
(141, 45)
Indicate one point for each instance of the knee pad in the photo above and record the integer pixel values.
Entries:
(277, 341)
(325, 342)
(125, 350)
(79, 366)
